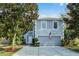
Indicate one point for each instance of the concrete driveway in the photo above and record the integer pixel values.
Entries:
(45, 51)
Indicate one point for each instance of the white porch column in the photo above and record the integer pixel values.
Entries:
(36, 33)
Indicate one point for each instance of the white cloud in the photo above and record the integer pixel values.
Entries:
(61, 4)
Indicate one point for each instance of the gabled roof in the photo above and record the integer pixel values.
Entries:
(46, 18)
(29, 33)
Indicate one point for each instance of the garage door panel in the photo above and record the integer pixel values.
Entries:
(45, 41)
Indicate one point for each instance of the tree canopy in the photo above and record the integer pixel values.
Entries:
(16, 19)
(72, 21)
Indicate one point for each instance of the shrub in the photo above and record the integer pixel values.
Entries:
(70, 43)
(1, 49)
(76, 42)
(35, 42)
(62, 42)
(69, 34)
(65, 42)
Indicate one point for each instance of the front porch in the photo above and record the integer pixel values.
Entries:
(28, 37)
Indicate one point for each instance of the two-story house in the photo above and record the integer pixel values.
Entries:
(49, 31)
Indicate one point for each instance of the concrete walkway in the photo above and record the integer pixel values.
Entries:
(45, 51)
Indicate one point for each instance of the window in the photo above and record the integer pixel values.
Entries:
(49, 24)
(43, 24)
(55, 25)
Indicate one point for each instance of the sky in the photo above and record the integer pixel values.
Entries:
(51, 9)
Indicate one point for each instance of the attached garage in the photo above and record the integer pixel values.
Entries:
(54, 41)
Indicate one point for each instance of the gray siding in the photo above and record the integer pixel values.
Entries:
(38, 25)
(57, 32)
(49, 24)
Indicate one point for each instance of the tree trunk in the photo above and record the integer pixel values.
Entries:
(13, 42)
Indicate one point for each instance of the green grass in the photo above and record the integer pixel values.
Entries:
(6, 53)
(75, 48)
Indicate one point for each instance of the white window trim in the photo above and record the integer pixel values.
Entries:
(41, 25)
(57, 25)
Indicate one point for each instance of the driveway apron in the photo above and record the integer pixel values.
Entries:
(45, 51)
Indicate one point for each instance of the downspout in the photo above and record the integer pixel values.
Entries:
(34, 29)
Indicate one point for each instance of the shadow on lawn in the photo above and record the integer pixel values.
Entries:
(75, 49)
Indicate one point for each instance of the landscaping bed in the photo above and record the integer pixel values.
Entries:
(7, 50)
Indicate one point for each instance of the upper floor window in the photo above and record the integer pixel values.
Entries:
(43, 24)
(55, 25)
(49, 24)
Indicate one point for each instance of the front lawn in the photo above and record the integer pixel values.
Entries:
(6, 53)
(74, 48)
(6, 50)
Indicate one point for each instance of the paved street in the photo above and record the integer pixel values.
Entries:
(45, 51)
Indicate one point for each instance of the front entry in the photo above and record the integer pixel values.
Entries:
(29, 40)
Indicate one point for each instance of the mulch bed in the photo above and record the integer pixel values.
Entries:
(9, 50)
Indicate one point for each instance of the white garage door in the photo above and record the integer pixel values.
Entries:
(54, 41)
